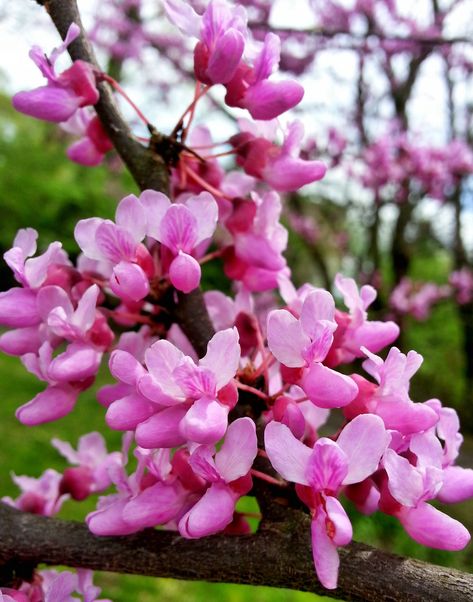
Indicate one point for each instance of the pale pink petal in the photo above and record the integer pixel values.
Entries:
(431, 527)
(287, 454)
(406, 417)
(61, 588)
(162, 429)
(51, 404)
(155, 205)
(114, 243)
(268, 59)
(84, 315)
(85, 234)
(205, 422)
(184, 17)
(286, 338)
(318, 306)
(212, 513)
(405, 483)
(364, 440)
(328, 388)
(223, 356)
(131, 216)
(184, 272)
(205, 210)
(26, 239)
(238, 451)
(457, 485)
(36, 268)
(50, 297)
(324, 552)
(340, 521)
(161, 359)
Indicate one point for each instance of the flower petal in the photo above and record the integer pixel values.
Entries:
(212, 513)
(238, 451)
(288, 455)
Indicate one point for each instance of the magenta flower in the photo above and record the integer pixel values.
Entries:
(196, 398)
(92, 463)
(118, 246)
(354, 329)
(90, 149)
(320, 473)
(412, 486)
(390, 400)
(225, 471)
(39, 496)
(304, 343)
(256, 257)
(64, 93)
(280, 167)
(184, 229)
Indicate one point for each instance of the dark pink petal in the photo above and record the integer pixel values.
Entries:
(286, 339)
(328, 388)
(20, 341)
(109, 520)
(50, 103)
(268, 59)
(223, 356)
(324, 552)
(286, 174)
(327, 466)
(126, 413)
(162, 429)
(212, 513)
(184, 272)
(205, 422)
(289, 456)
(84, 152)
(78, 362)
(364, 440)
(51, 404)
(18, 308)
(238, 451)
(225, 57)
(267, 100)
(430, 527)
(128, 281)
(156, 505)
(374, 335)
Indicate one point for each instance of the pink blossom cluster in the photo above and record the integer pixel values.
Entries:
(417, 299)
(431, 171)
(255, 405)
(462, 283)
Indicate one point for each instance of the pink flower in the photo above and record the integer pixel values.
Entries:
(64, 93)
(280, 167)
(304, 343)
(90, 149)
(39, 496)
(320, 473)
(225, 471)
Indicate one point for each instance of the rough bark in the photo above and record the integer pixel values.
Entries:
(277, 556)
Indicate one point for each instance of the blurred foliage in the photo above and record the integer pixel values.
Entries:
(42, 189)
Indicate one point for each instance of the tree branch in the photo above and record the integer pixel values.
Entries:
(277, 557)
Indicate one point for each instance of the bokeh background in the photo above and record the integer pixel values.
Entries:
(332, 224)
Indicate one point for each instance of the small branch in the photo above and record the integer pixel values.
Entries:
(279, 556)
